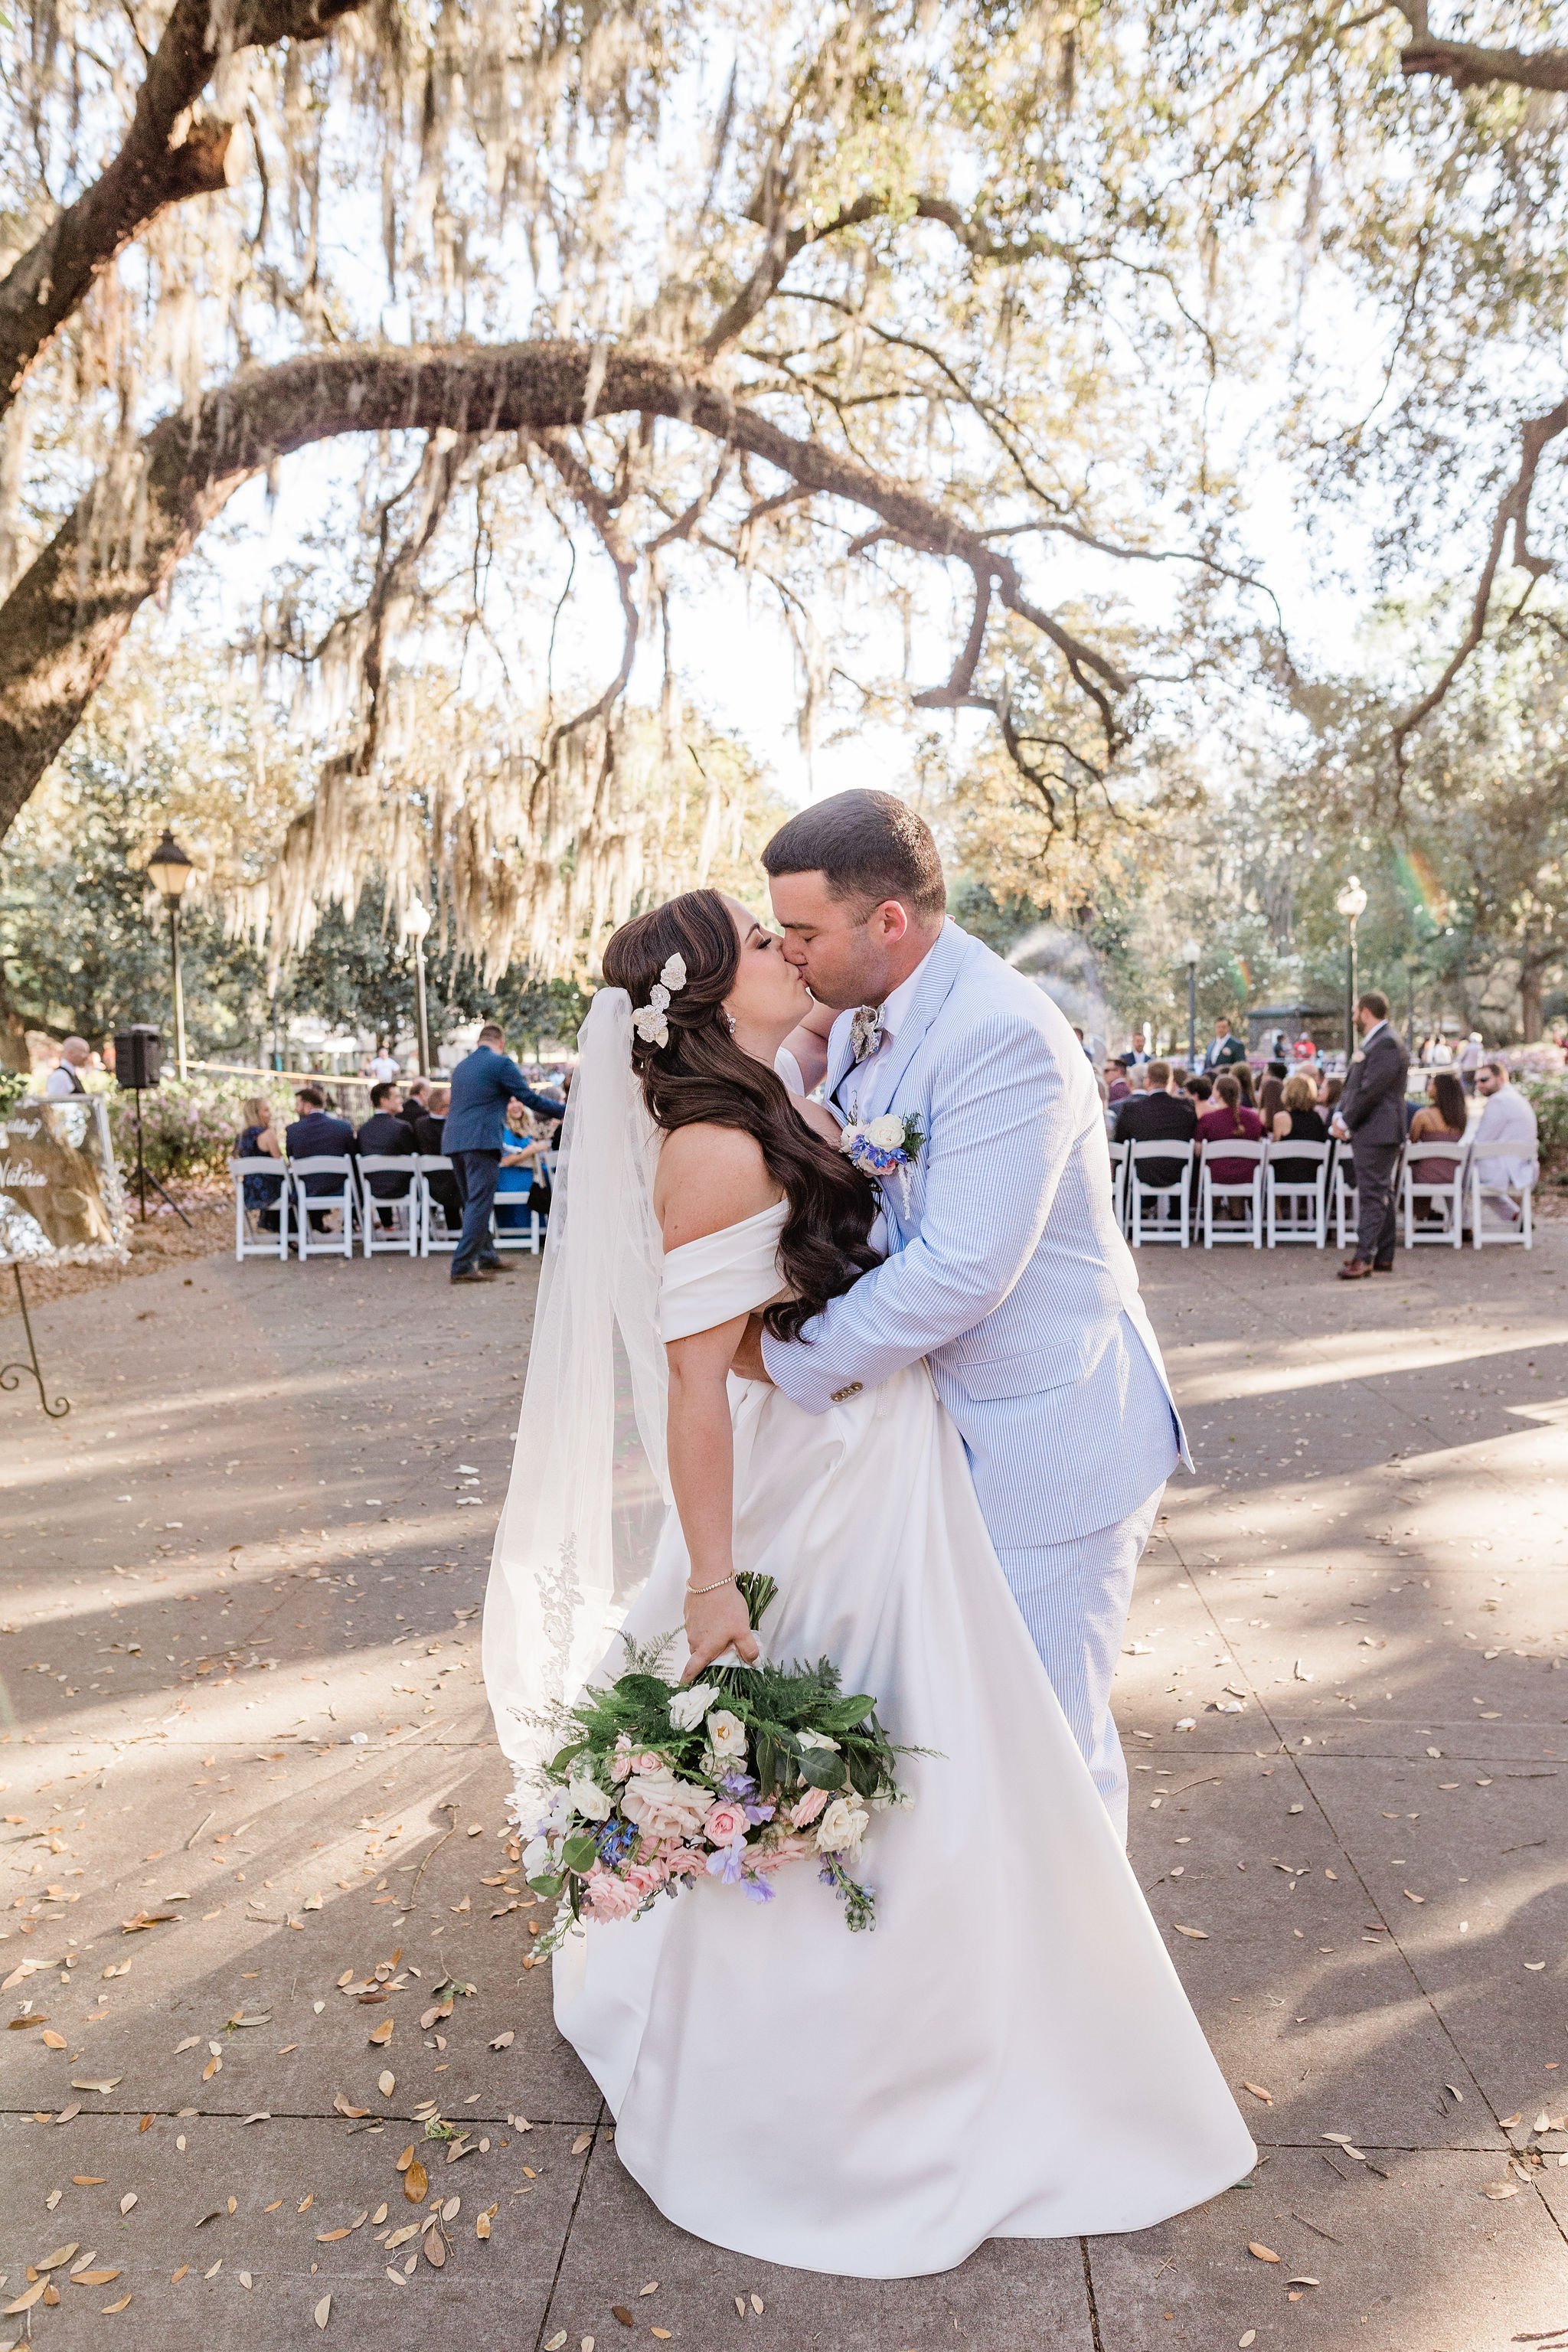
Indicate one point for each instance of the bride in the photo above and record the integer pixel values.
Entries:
(1009, 2053)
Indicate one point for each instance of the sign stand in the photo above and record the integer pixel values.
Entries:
(11, 1374)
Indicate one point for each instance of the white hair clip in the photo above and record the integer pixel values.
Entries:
(648, 1019)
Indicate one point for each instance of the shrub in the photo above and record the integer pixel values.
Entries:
(189, 1126)
(1550, 1097)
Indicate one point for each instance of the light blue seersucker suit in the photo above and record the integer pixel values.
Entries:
(1007, 1274)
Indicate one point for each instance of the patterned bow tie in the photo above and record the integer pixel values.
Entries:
(866, 1032)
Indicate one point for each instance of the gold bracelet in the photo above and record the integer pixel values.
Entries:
(696, 1591)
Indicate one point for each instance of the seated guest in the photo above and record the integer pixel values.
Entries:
(1298, 1120)
(1230, 1119)
(1271, 1093)
(1116, 1087)
(258, 1141)
(415, 1098)
(1441, 1118)
(316, 1134)
(1157, 1115)
(519, 1160)
(1505, 1141)
(1200, 1087)
(1329, 1092)
(429, 1128)
(386, 1135)
(1242, 1073)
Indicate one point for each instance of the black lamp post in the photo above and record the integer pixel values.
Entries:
(1352, 905)
(170, 870)
(1190, 954)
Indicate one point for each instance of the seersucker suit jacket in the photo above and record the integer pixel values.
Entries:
(1006, 1271)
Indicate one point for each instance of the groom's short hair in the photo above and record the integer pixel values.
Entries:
(866, 845)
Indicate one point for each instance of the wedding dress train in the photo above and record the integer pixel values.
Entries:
(1009, 2052)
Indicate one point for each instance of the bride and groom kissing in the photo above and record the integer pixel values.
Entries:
(887, 1348)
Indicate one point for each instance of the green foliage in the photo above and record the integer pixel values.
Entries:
(1549, 1097)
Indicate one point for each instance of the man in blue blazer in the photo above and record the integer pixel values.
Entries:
(1005, 1270)
(483, 1083)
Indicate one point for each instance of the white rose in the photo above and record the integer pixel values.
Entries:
(665, 1805)
(816, 1739)
(726, 1734)
(886, 1133)
(848, 1137)
(841, 1826)
(585, 1797)
(688, 1707)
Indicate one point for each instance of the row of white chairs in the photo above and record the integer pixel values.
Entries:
(413, 1224)
(1441, 1196)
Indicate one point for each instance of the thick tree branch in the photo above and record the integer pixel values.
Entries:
(1512, 514)
(153, 169)
(1470, 66)
(61, 625)
(590, 498)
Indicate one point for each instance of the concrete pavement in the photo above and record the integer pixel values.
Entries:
(254, 1819)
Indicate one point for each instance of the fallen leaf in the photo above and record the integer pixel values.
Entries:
(416, 2182)
(1303, 2281)
(189, 2042)
(553, 2343)
(757, 2304)
(330, 2237)
(386, 2082)
(344, 2108)
(88, 2179)
(651, 2288)
(107, 2309)
(127, 2201)
(504, 2040)
(1199, 1935)
(406, 2158)
(618, 2311)
(1501, 2189)
(53, 2041)
(435, 2249)
(382, 2033)
(108, 2081)
(1250, 2337)
(93, 2278)
(583, 2140)
(323, 2311)
(1259, 2092)
(28, 2298)
(663, 2334)
(1264, 2253)
(61, 2254)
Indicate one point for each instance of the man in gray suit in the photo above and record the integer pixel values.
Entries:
(1370, 1116)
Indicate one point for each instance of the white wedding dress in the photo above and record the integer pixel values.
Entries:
(1009, 2052)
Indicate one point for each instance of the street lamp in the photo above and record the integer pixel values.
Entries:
(171, 869)
(1352, 905)
(417, 922)
(1190, 954)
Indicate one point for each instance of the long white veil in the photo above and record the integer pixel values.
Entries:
(588, 1478)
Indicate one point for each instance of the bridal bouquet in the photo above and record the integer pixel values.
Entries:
(729, 1777)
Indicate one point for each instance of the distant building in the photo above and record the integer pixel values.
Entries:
(1294, 1019)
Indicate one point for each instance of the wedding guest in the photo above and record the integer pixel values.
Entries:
(65, 1078)
(1471, 1054)
(1116, 1087)
(482, 1084)
(1223, 1049)
(1296, 1119)
(1242, 1073)
(1229, 1120)
(1507, 1142)
(317, 1134)
(1200, 1087)
(1159, 1116)
(1271, 1093)
(1441, 1118)
(429, 1128)
(415, 1098)
(257, 1140)
(1329, 1092)
(387, 1134)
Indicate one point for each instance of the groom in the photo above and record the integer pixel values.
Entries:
(1006, 1270)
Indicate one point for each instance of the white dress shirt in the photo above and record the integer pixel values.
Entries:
(1505, 1139)
(863, 1091)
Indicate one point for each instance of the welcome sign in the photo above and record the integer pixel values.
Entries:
(60, 1190)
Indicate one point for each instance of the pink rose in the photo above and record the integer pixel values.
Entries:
(610, 1897)
(685, 1863)
(807, 1809)
(725, 1823)
(620, 1767)
(647, 1762)
(788, 1849)
(646, 1878)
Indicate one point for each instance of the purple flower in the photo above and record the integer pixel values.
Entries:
(755, 1814)
(757, 1890)
(728, 1863)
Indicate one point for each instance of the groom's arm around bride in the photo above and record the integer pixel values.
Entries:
(1006, 1272)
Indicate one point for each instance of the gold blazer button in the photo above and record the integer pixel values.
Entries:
(841, 1395)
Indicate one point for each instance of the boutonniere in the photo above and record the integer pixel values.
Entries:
(885, 1146)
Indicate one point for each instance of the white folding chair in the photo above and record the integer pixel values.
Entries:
(1313, 1197)
(1444, 1194)
(1249, 1191)
(253, 1241)
(1501, 1228)
(1161, 1227)
(318, 1243)
(401, 1233)
(1119, 1185)
(434, 1233)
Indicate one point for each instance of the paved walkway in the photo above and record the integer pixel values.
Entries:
(259, 1929)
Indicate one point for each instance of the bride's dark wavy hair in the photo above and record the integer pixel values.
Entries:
(701, 1074)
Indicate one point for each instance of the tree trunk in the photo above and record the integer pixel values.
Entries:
(1529, 1003)
(63, 620)
(49, 281)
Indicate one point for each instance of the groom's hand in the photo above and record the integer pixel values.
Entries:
(747, 1360)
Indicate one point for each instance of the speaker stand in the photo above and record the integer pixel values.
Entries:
(144, 1175)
